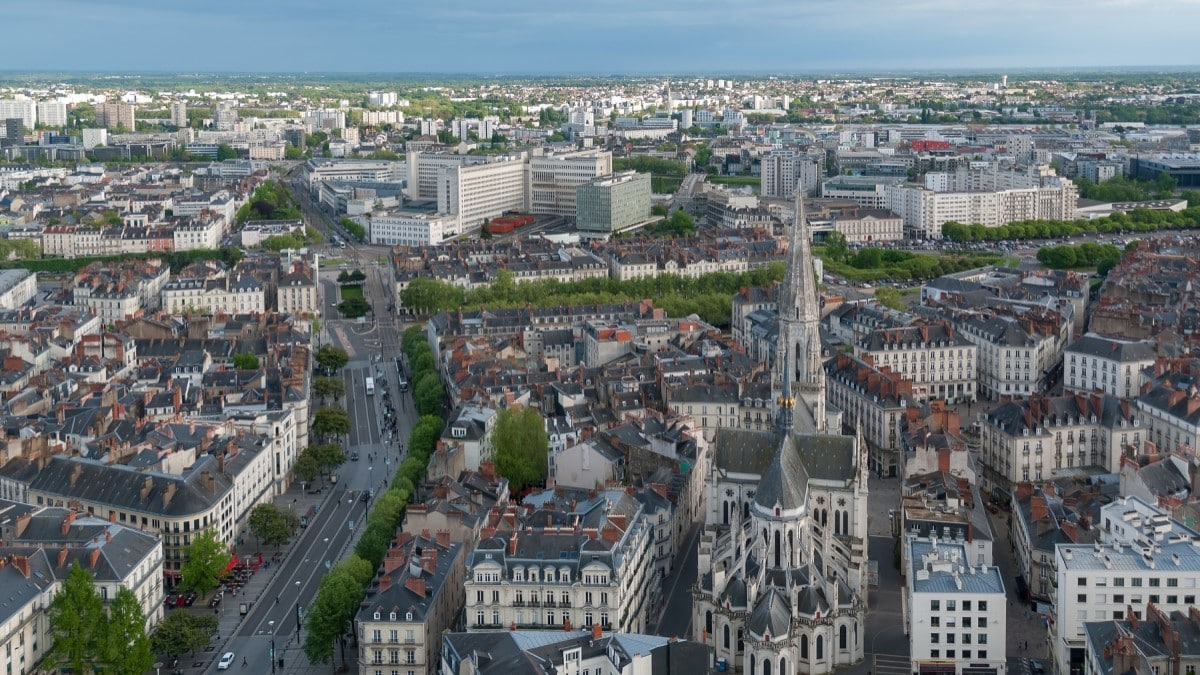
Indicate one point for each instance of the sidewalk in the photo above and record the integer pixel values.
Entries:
(228, 614)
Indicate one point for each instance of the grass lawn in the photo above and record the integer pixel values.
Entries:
(735, 180)
(664, 184)
(349, 292)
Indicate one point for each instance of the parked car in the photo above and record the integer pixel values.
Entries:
(226, 661)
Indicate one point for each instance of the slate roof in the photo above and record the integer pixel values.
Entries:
(786, 480)
(1113, 350)
(771, 615)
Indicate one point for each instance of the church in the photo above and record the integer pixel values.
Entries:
(782, 581)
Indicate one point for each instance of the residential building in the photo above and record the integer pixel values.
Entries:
(955, 611)
(116, 116)
(553, 179)
(931, 441)
(297, 290)
(782, 169)
(1038, 438)
(121, 291)
(1041, 520)
(613, 204)
(596, 570)
(51, 113)
(1097, 363)
(22, 109)
(17, 287)
(232, 294)
(534, 652)
(1144, 558)
(414, 599)
(40, 547)
(939, 507)
(1164, 642)
(470, 431)
(874, 401)
(179, 116)
(1015, 355)
(935, 357)
(1171, 411)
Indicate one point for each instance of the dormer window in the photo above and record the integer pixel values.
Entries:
(392, 616)
(458, 432)
(376, 616)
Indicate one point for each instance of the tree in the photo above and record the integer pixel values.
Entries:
(329, 615)
(205, 560)
(331, 358)
(427, 394)
(306, 467)
(225, 151)
(329, 456)
(329, 387)
(76, 623)
(245, 361)
(126, 647)
(521, 447)
(271, 525)
(329, 422)
(357, 231)
(183, 632)
(355, 307)
(890, 297)
(836, 247)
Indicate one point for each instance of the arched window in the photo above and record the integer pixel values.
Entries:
(767, 666)
(837, 522)
(791, 547)
(778, 549)
(804, 647)
(842, 637)
(708, 622)
(725, 513)
(845, 522)
(783, 669)
(820, 647)
(726, 636)
(752, 664)
(746, 510)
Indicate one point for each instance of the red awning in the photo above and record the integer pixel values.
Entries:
(233, 561)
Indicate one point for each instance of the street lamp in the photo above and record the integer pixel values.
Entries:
(272, 625)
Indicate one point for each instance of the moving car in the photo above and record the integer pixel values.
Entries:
(226, 661)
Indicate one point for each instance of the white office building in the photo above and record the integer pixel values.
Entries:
(554, 179)
(411, 229)
(52, 113)
(954, 612)
(783, 169)
(478, 192)
(23, 109)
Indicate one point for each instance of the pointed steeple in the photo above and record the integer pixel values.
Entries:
(799, 325)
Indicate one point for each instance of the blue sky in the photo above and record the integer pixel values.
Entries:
(597, 36)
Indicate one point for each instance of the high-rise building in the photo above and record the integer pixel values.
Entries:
(94, 137)
(22, 109)
(226, 116)
(13, 131)
(553, 179)
(113, 116)
(783, 169)
(179, 116)
(613, 203)
(477, 192)
(382, 98)
(52, 113)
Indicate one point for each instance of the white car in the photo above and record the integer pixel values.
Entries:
(226, 661)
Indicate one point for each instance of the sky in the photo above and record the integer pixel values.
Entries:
(594, 36)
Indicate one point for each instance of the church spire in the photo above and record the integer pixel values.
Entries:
(799, 323)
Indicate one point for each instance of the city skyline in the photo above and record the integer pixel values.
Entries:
(542, 37)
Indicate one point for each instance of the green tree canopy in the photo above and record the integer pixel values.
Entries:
(272, 525)
(306, 468)
(521, 447)
(245, 361)
(836, 246)
(77, 623)
(329, 387)
(331, 358)
(352, 308)
(428, 394)
(205, 560)
(331, 422)
(182, 632)
(330, 613)
(126, 648)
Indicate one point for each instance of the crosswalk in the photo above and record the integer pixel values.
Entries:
(891, 664)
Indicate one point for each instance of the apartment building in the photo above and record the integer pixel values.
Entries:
(415, 597)
(924, 210)
(595, 571)
(51, 113)
(1014, 355)
(199, 234)
(1154, 644)
(955, 611)
(935, 357)
(234, 294)
(17, 287)
(297, 292)
(783, 169)
(1144, 558)
(1034, 439)
(554, 179)
(1041, 520)
(41, 545)
(537, 652)
(115, 116)
(122, 290)
(22, 109)
(1097, 363)
(874, 400)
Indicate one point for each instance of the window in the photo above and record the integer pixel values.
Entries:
(949, 638)
(1172, 582)
(982, 622)
(935, 605)
(1154, 582)
(966, 638)
(966, 605)
(966, 622)
(935, 653)
(935, 621)
(1189, 599)
(982, 606)
(1119, 598)
(1137, 581)
(935, 638)
(951, 605)
(1082, 581)
(1118, 581)
(1082, 597)
(479, 618)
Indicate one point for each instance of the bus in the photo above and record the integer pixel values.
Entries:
(370, 386)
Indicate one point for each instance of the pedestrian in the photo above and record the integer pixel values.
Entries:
(243, 662)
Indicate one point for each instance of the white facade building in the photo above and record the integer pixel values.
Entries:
(411, 229)
(1114, 366)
